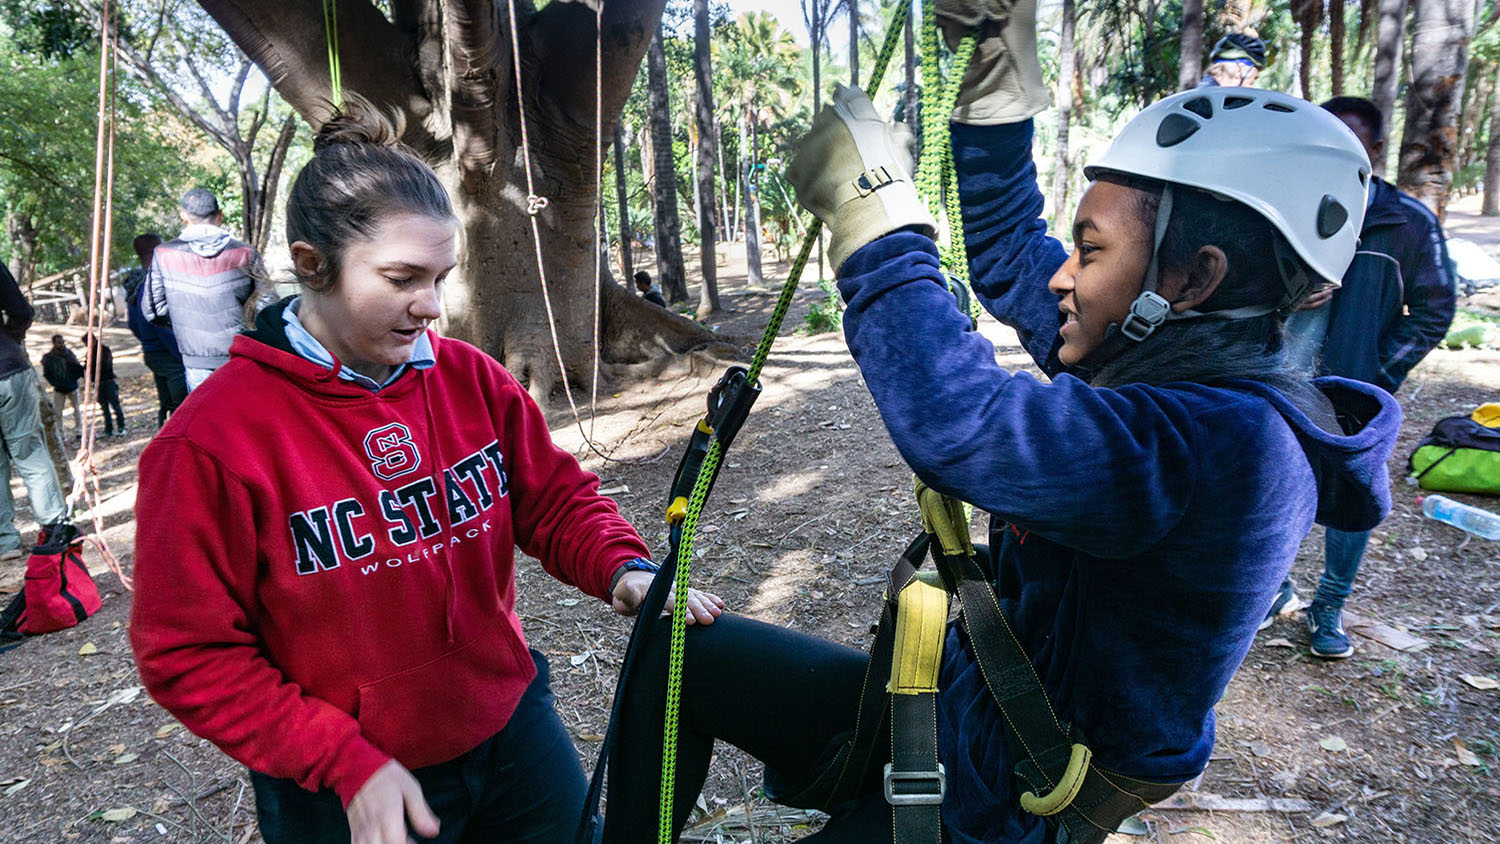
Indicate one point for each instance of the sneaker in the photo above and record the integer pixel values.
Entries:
(12, 554)
(1326, 624)
(1286, 603)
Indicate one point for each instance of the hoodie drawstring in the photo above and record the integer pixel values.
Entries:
(445, 517)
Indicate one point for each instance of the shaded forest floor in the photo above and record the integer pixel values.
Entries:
(812, 506)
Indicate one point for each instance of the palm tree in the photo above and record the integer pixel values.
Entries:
(708, 301)
(759, 63)
(668, 234)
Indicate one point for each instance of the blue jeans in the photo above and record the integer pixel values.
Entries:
(22, 445)
(524, 784)
(1342, 554)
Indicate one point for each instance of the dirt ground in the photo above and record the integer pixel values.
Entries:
(812, 506)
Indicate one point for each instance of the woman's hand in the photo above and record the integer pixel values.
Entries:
(382, 806)
(630, 590)
(1317, 298)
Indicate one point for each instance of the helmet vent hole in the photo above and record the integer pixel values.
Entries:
(1364, 177)
(1174, 129)
(1331, 217)
(1200, 106)
(1284, 109)
(1236, 102)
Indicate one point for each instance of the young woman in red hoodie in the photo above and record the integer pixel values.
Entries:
(325, 539)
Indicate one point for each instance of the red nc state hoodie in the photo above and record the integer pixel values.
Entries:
(324, 576)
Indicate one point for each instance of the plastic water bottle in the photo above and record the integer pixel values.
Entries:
(1475, 520)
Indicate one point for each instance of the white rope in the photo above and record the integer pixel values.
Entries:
(535, 204)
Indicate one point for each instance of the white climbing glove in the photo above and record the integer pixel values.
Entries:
(1003, 83)
(853, 170)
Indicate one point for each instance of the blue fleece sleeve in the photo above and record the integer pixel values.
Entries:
(1105, 471)
(1011, 257)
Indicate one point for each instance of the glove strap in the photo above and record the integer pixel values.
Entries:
(866, 183)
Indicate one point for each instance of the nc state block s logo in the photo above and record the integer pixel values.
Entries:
(391, 451)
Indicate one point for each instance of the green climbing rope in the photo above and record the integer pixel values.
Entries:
(331, 37)
(942, 105)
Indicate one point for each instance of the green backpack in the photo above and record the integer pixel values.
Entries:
(1462, 454)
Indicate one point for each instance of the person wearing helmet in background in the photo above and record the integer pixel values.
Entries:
(1235, 62)
(1145, 504)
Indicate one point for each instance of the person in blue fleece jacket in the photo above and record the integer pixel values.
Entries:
(1146, 501)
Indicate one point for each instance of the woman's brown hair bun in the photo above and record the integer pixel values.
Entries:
(358, 121)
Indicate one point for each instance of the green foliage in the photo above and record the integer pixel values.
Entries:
(48, 118)
(827, 314)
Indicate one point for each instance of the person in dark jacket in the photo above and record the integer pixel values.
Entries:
(62, 370)
(21, 424)
(158, 343)
(1395, 304)
(101, 363)
(648, 291)
(1146, 503)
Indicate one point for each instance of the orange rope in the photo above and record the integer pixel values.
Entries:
(86, 485)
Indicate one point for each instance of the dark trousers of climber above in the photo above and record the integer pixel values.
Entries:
(786, 698)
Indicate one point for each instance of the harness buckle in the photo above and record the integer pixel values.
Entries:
(915, 788)
(1147, 313)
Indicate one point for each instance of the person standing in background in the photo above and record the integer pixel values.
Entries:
(21, 424)
(158, 343)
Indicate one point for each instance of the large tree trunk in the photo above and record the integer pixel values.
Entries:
(1309, 16)
(1390, 36)
(1492, 157)
(1439, 56)
(708, 299)
(1190, 64)
(669, 267)
(23, 234)
(271, 182)
(456, 89)
(1065, 67)
(622, 199)
(752, 205)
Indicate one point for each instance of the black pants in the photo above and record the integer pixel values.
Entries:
(171, 382)
(109, 397)
(785, 697)
(524, 785)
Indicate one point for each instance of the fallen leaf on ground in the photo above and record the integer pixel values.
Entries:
(1328, 819)
(579, 659)
(1481, 682)
(166, 730)
(1465, 755)
(1261, 749)
(124, 813)
(1280, 643)
(14, 785)
(1333, 744)
(88, 649)
(1133, 826)
(126, 758)
(569, 602)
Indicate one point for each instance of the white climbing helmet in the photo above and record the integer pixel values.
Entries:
(1289, 160)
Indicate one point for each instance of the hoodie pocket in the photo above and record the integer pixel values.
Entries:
(445, 707)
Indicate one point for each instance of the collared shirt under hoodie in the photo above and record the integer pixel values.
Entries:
(325, 574)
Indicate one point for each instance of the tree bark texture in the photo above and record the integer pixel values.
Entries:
(669, 266)
(1491, 207)
(1065, 67)
(1441, 30)
(1309, 16)
(622, 199)
(1190, 63)
(1390, 37)
(708, 299)
(448, 68)
(752, 205)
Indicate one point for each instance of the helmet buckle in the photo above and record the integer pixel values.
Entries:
(1147, 313)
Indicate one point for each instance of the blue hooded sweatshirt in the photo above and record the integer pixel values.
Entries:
(1140, 531)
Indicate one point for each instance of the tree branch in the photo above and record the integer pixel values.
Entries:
(564, 31)
(226, 120)
(286, 40)
(239, 85)
(471, 30)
